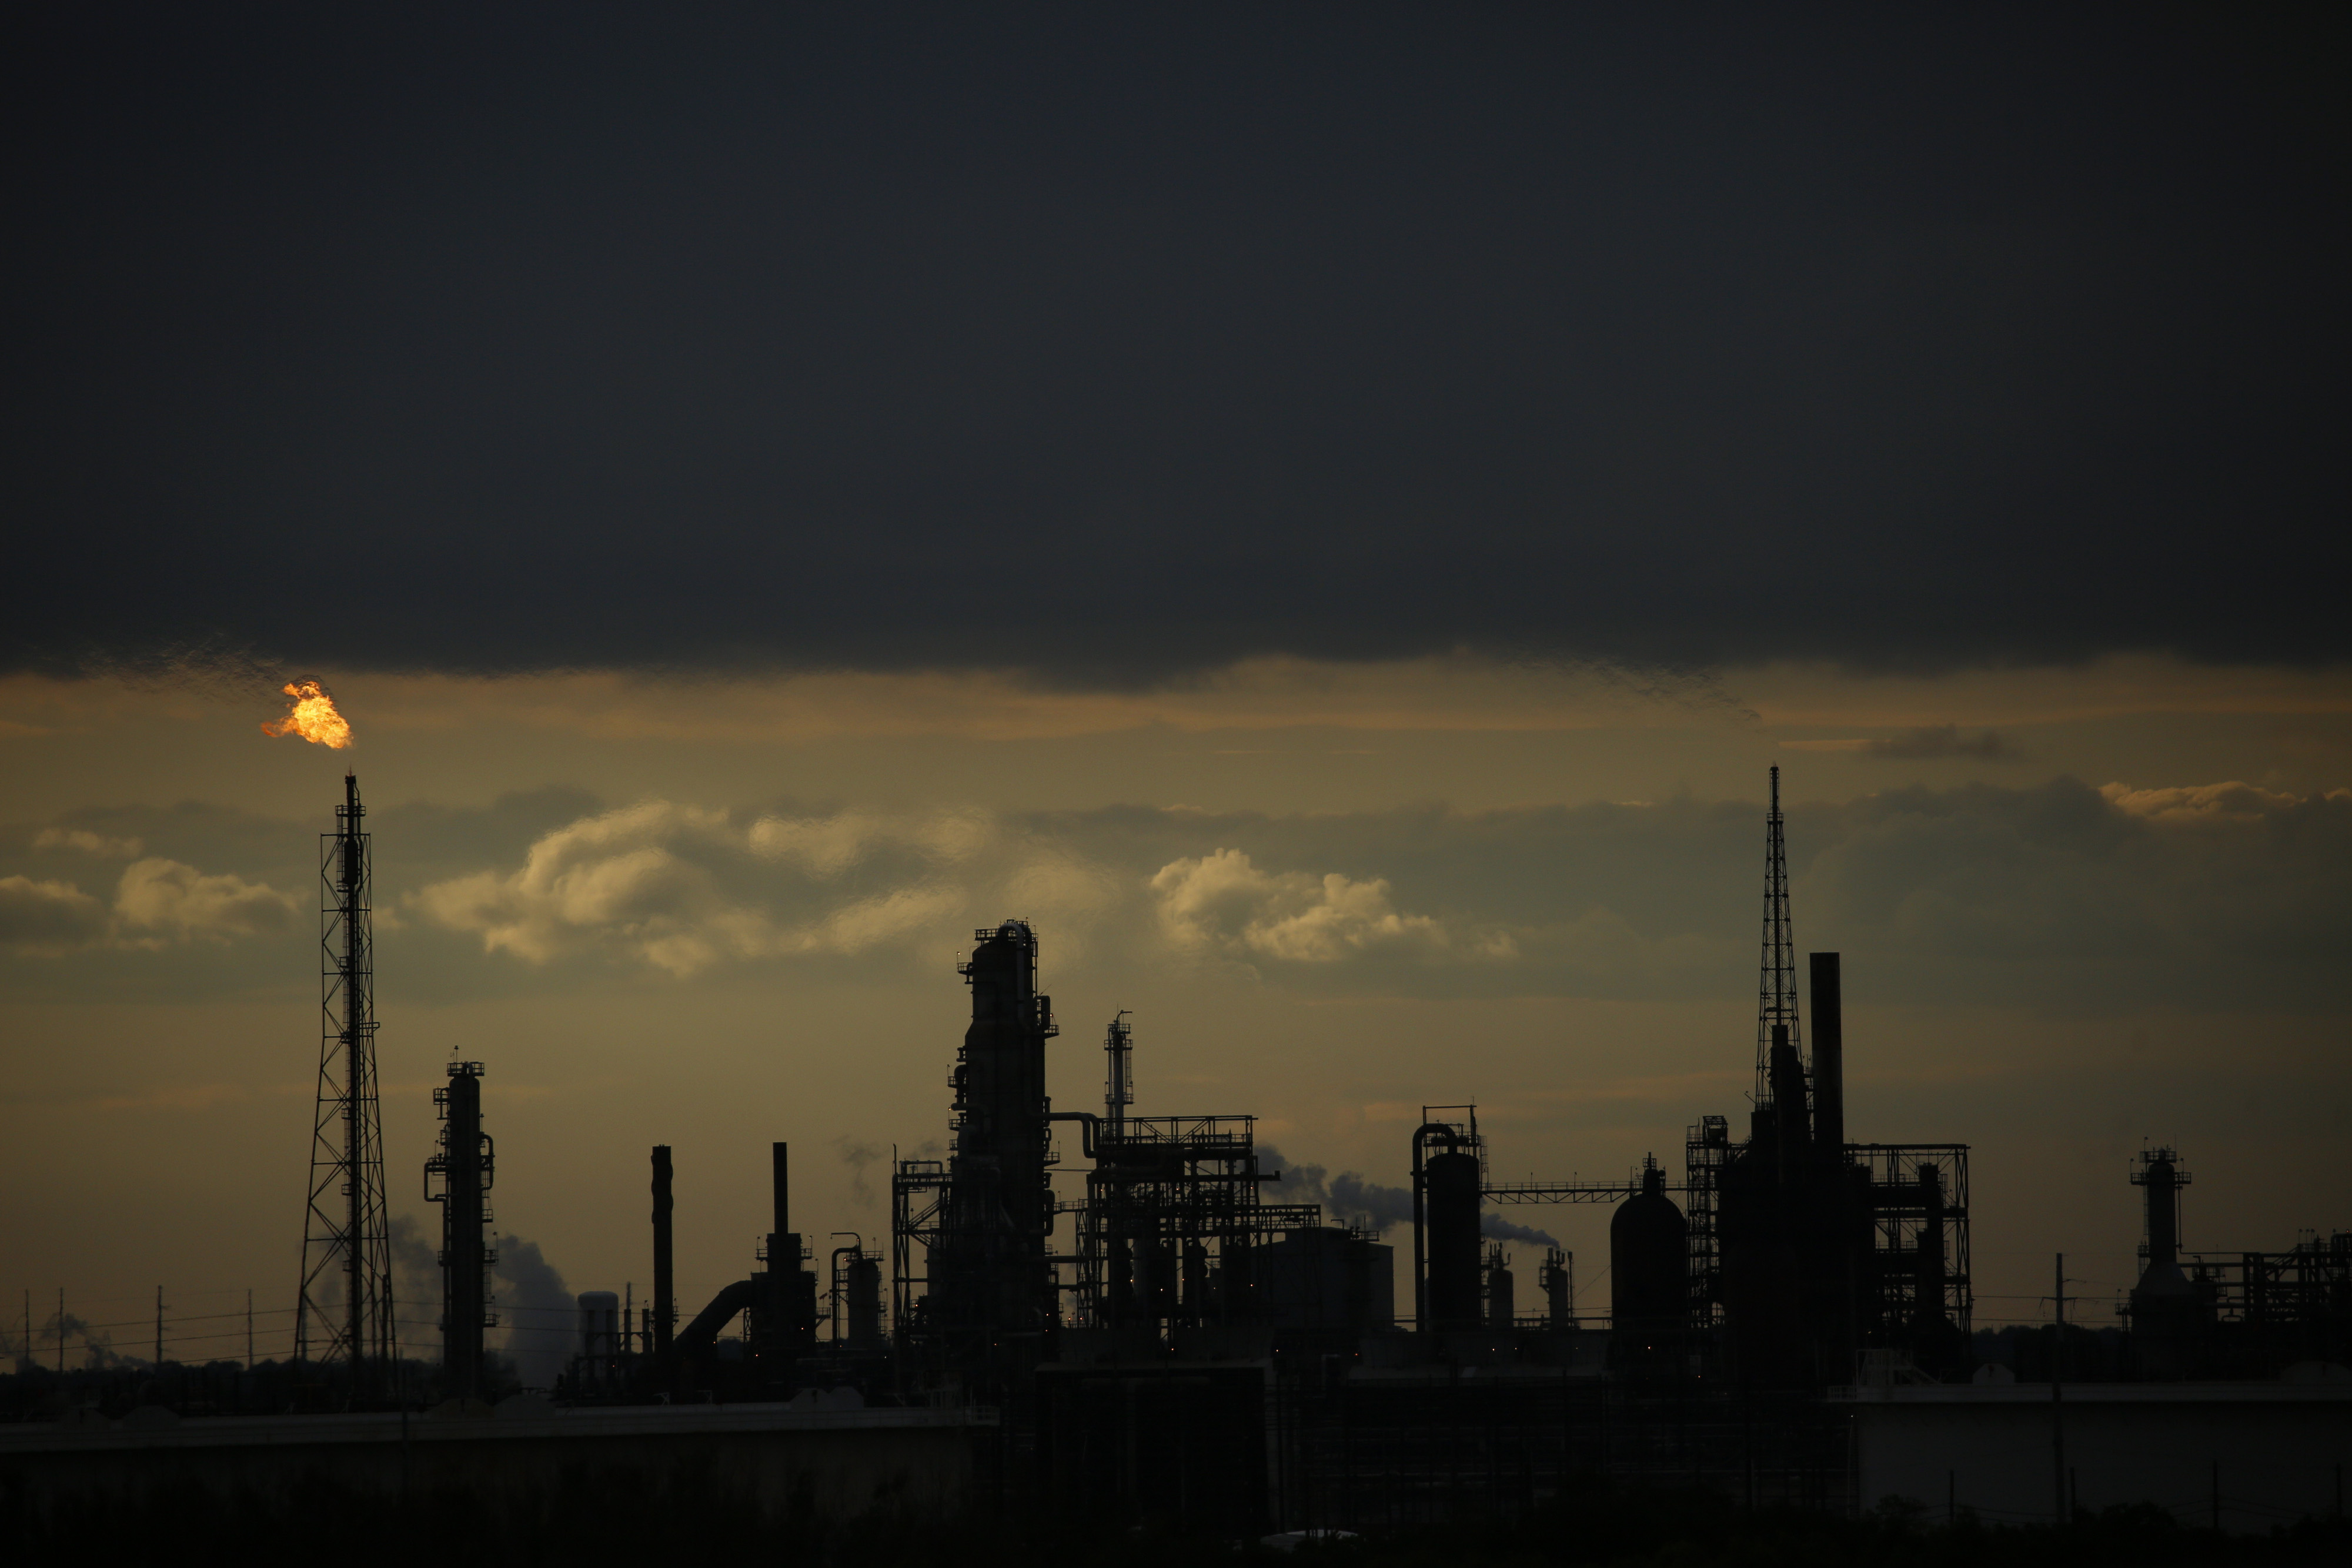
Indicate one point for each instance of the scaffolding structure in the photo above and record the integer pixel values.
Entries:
(1920, 1239)
(1706, 1147)
(919, 1190)
(1172, 1222)
(344, 1310)
(2273, 1309)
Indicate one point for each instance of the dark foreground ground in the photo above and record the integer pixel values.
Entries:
(1601, 1529)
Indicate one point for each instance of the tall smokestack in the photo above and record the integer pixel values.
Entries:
(792, 1299)
(2163, 1182)
(1829, 1058)
(783, 1196)
(664, 1290)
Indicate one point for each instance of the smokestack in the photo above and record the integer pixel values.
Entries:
(1829, 1058)
(665, 1292)
(783, 1197)
(2163, 1211)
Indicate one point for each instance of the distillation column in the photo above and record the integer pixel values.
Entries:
(466, 1165)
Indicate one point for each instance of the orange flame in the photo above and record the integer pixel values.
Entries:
(313, 717)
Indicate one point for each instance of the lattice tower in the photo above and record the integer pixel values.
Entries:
(1776, 998)
(345, 1308)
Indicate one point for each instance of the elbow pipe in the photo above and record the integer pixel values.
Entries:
(1088, 1125)
(698, 1336)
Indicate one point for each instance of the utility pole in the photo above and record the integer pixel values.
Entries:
(248, 1328)
(2058, 1403)
(61, 1328)
(159, 1328)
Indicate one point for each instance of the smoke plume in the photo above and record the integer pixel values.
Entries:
(1347, 1199)
(857, 1155)
(1494, 1228)
(538, 1310)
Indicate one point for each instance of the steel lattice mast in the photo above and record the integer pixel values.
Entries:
(1776, 991)
(346, 1301)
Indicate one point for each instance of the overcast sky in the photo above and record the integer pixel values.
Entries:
(1136, 338)
(1330, 512)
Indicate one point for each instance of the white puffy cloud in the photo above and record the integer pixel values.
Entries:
(872, 922)
(622, 874)
(156, 904)
(163, 900)
(2059, 895)
(829, 846)
(88, 843)
(682, 888)
(1221, 903)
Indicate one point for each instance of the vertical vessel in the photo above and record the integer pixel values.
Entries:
(465, 1162)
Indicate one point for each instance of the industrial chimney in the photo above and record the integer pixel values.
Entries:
(665, 1289)
(1829, 1058)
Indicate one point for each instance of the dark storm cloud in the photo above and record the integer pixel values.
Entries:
(1115, 341)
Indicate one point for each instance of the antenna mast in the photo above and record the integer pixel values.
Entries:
(1776, 998)
(345, 1304)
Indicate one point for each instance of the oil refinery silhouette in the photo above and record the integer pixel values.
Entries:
(1162, 1340)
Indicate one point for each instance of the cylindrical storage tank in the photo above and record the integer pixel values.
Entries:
(864, 1291)
(599, 1324)
(1450, 1193)
(1649, 1261)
